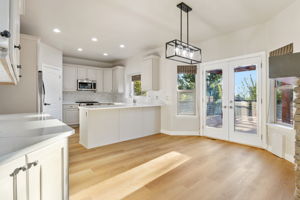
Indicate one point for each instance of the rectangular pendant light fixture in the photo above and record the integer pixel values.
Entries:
(183, 51)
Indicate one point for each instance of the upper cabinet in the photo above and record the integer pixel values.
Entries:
(10, 41)
(107, 80)
(87, 73)
(118, 79)
(150, 73)
(69, 78)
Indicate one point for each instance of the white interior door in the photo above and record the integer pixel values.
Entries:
(231, 101)
(53, 91)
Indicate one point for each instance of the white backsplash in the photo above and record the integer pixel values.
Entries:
(92, 96)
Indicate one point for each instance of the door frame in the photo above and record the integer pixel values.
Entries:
(60, 70)
(262, 118)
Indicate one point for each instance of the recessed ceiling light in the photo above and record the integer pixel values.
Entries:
(94, 39)
(56, 30)
(79, 49)
(105, 54)
(122, 46)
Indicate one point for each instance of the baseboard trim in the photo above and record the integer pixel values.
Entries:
(289, 157)
(182, 133)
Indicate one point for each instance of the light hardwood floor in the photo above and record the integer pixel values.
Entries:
(162, 167)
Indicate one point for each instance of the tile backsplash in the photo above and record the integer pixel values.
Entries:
(92, 96)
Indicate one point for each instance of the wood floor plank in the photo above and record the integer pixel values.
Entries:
(215, 170)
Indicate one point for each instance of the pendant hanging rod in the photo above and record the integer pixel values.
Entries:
(181, 24)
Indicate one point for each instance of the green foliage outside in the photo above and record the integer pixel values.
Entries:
(138, 89)
(214, 86)
(248, 90)
(186, 81)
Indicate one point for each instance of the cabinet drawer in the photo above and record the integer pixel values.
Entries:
(71, 106)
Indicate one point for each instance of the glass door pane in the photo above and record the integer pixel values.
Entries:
(214, 91)
(245, 99)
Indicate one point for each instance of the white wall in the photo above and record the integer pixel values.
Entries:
(49, 56)
(22, 98)
(278, 31)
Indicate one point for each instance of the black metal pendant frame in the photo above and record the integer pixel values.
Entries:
(171, 46)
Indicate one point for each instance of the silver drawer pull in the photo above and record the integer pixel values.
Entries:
(16, 171)
(29, 165)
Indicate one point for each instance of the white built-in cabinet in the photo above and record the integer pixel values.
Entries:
(41, 174)
(108, 79)
(150, 73)
(118, 80)
(99, 79)
(71, 114)
(86, 73)
(10, 11)
(69, 78)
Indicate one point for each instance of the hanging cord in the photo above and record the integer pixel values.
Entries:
(181, 25)
(187, 28)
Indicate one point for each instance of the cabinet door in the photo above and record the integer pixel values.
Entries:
(107, 80)
(146, 78)
(71, 116)
(13, 187)
(99, 80)
(92, 74)
(46, 173)
(15, 36)
(70, 78)
(118, 80)
(81, 73)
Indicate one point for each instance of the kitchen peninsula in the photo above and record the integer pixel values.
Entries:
(103, 125)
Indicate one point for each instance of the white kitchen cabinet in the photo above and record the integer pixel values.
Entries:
(10, 46)
(131, 121)
(99, 79)
(71, 114)
(69, 78)
(107, 80)
(92, 74)
(13, 180)
(81, 73)
(15, 45)
(47, 172)
(86, 73)
(150, 73)
(118, 80)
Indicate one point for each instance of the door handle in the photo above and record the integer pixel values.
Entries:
(16, 171)
(17, 47)
(47, 104)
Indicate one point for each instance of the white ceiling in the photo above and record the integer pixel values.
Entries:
(139, 24)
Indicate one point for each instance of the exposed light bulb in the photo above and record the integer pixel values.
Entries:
(191, 54)
(184, 53)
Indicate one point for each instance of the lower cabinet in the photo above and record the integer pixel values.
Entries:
(71, 114)
(13, 180)
(39, 175)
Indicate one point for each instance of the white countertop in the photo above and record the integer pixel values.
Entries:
(120, 106)
(23, 133)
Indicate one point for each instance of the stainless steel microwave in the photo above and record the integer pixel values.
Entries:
(86, 85)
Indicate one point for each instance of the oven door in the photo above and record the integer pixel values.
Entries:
(86, 85)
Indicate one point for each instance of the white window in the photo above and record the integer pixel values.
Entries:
(283, 102)
(186, 90)
(136, 86)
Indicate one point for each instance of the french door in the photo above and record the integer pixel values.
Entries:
(231, 101)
